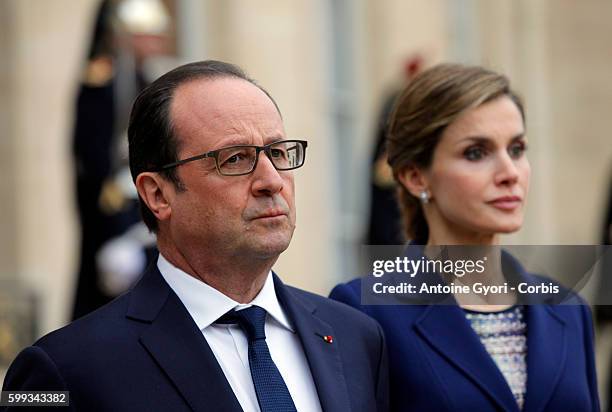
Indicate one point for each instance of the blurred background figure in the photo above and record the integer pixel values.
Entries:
(604, 298)
(115, 246)
(384, 226)
(603, 309)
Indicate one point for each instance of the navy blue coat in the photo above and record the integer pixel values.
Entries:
(143, 352)
(437, 362)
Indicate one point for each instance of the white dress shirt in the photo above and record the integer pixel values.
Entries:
(229, 343)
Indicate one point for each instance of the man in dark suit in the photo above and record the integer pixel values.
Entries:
(210, 327)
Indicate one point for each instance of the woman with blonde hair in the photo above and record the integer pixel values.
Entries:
(456, 145)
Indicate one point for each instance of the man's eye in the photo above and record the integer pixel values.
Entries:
(474, 153)
(236, 158)
(277, 153)
(516, 150)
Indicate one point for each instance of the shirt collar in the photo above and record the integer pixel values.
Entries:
(206, 304)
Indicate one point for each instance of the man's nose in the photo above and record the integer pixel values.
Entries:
(266, 179)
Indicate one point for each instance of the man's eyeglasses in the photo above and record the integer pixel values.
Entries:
(242, 159)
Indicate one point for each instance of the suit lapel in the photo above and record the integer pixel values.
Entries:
(178, 347)
(323, 358)
(446, 329)
(546, 338)
(546, 355)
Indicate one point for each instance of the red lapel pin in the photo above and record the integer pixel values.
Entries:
(327, 338)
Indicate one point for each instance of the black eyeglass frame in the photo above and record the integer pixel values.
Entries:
(258, 149)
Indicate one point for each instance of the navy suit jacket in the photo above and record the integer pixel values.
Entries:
(143, 352)
(437, 362)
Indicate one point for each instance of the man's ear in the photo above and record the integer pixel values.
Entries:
(154, 190)
(414, 180)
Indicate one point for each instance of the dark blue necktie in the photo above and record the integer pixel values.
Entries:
(272, 393)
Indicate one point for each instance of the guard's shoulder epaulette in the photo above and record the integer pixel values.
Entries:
(98, 71)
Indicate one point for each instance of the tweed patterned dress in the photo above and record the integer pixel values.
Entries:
(504, 335)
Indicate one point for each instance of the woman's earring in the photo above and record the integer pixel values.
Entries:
(424, 197)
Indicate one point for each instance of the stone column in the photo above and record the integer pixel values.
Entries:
(17, 310)
(43, 46)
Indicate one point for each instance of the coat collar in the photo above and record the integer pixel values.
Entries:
(181, 350)
(178, 346)
(446, 329)
(323, 357)
(546, 355)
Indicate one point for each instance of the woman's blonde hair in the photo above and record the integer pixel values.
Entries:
(421, 113)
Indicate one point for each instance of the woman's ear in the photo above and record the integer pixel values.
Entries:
(414, 180)
(154, 191)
